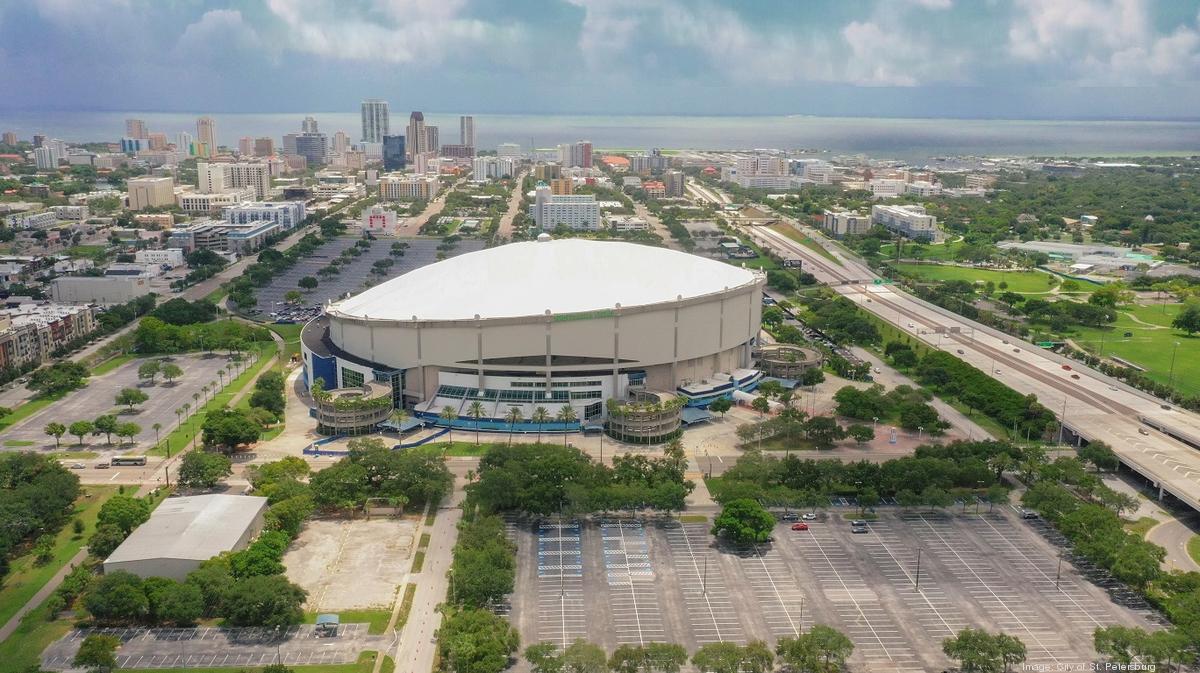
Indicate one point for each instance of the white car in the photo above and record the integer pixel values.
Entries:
(809, 516)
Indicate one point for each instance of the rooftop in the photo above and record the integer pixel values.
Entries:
(197, 527)
(531, 278)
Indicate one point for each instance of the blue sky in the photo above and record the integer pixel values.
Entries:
(958, 58)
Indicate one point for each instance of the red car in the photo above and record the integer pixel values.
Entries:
(800, 526)
(1067, 367)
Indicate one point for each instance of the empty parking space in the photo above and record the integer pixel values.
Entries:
(710, 610)
(561, 614)
(1005, 603)
(878, 639)
(633, 601)
(922, 593)
(776, 592)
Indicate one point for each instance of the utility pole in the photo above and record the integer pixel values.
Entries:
(704, 579)
(917, 576)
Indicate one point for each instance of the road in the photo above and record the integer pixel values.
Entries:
(1093, 406)
(656, 225)
(505, 230)
(1173, 535)
(434, 207)
(417, 642)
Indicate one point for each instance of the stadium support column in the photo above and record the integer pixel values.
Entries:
(675, 345)
(479, 351)
(549, 350)
(720, 334)
(616, 368)
(420, 357)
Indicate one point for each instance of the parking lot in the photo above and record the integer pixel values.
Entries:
(421, 252)
(97, 399)
(351, 564)
(897, 591)
(207, 647)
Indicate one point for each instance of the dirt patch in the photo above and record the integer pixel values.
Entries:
(348, 565)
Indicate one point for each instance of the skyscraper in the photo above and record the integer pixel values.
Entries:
(393, 153)
(183, 143)
(466, 131)
(309, 125)
(415, 138)
(341, 142)
(375, 120)
(206, 133)
(264, 147)
(245, 146)
(432, 144)
(135, 128)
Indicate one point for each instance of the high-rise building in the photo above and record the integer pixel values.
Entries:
(415, 138)
(673, 180)
(135, 128)
(576, 211)
(375, 120)
(10, 138)
(158, 141)
(314, 147)
(264, 147)
(393, 153)
(134, 145)
(38, 139)
(309, 125)
(508, 150)
(206, 133)
(150, 192)
(341, 142)
(466, 131)
(184, 142)
(578, 154)
(214, 178)
(245, 146)
(289, 144)
(562, 186)
(432, 145)
(45, 157)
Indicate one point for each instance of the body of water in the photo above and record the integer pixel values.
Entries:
(908, 139)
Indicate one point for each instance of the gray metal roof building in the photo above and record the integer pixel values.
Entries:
(183, 532)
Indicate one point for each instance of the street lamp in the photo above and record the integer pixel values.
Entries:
(920, 432)
(1171, 377)
(874, 422)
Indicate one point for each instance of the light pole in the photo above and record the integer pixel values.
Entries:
(917, 576)
(874, 422)
(920, 432)
(1171, 376)
(1058, 573)
(704, 578)
(1062, 421)
(278, 651)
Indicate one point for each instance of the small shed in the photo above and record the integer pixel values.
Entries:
(327, 625)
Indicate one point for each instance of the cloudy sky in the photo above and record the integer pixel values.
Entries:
(968, 58)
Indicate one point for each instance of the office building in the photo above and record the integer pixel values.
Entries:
(309, 125)
(287, 214)
(341, 142)
(572, 211)
(248, 174)
(10, 138)
(466, 131)
(547, 171)
(562, 186)
(845, 223)
(416, 140)
(289, 144)
(206, 134)
(577, 154)
(150, 192)
(184, 532)
(185, 144)
(815, 171)
(458, 151)
(135, 128)
(314, 147)
(909, 220)
(46, 158)
(407, 187)
(38, 139)
(380, 220)
(76, 213)
(432, 144)
(200, 203)
(492, 168)
(264, 147)
(394, 157)
(922, 188)
(375, 120)
(246, 146)
(508, 150)
(157, 141)
(134, 145)
(31, 331)
(884, 188)
(674, 181)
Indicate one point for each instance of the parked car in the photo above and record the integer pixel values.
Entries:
(859, 529)
(1143, 431)
(800, 526)
(789, 516)
(77, 466)
(1075, 376)
(809, 516)
(1028, 514)
(1067, 367)
(101, 466)
(960, 352)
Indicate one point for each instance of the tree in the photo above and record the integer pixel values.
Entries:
(860, 433)
(936, 497)
(230, 428)
(1012, 650)
(181, 603)
(1188, 319)
(513, 417)
(55, 430)
(449, 414)
(105, 540)
(721, 405)
(754, 657)
(105, 425)
(60, 377)
(125, 512)
(822, 649)
(761, 405)
(566, 415)
(475, 411)
(823, 431)
(978, 651)
(81, 429)
(149, 370)
(1117, 642)
(118, 597)
(171, 371)
(97, 653)
(293, 296)
(745, 521)
(544, 658)
(201, 469)
(307, 283)
(1138, 563)
(128, 430)
(476, 641)
(263, 600)
(584, 657)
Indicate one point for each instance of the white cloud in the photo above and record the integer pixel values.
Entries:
(1102, 42)
(225, 27)
(395, 31)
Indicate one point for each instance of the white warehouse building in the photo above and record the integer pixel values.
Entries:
(553, 324)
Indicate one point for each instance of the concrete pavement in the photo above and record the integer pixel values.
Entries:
(1173, 535)
(505, 229)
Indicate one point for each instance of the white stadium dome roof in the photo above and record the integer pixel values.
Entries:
(526, 279)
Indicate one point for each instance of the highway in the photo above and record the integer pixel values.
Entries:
(1092, 406)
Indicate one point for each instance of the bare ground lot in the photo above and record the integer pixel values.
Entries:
(351, 565)
(632, 581)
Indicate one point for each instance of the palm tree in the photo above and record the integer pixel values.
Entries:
(178, 417)
(186, 409)
(566, 415)
(449, 415)
(221, 375)
(540, 416)
(398, 417)
(196, 399)
(476, 411)
(513, 417)
(157, 427)
(204, 389)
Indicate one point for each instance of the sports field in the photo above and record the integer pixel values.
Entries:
(1151, 344)
(1023, 282)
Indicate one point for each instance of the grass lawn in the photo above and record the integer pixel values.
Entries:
(26, 577)
(941, 251)
(183, 433)
(365, 664)
(111, 364)
(1149, 347)
(463, 448)
(77, 455)
(1022, 282)
(217, 296)
(692, 518)
(23, 649)
(1141, 526)
(28, 409)
(291, 338)
(406, 605)
(1193, 547)
(17, 443)
(799, 237)
(93, 252)
(418, 561)
(378, 619)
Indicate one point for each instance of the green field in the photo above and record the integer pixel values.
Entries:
(940, 251)
(291, 339)
(111, 364)
(799, 237)
(376, 619)
(1023, 282)
(29, 408)
(1150, 346)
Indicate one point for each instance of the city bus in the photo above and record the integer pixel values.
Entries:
(127, 460)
